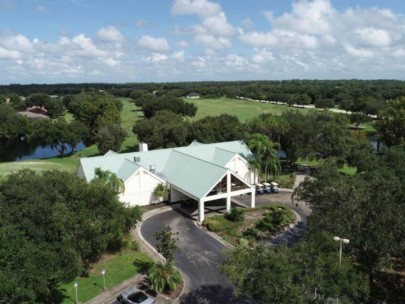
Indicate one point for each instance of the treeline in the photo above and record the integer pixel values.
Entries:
(368, 96)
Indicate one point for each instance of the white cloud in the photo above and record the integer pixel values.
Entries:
(110, 34)
(202, 8)
(154, 44)
(263, 56)
(217, 43)
(374, 37)
(16, 42)
(7, 54)
(218, 25)
(361, 53)
(156, 57)
(179, 56)
(87, 47)
(182, 44)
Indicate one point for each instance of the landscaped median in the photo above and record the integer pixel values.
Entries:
(251, 224)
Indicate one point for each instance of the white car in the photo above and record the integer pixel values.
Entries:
(135, 296)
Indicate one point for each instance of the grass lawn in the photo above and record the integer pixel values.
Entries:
(64, 163)
(346, 169)
(118, 268)
(129, 115)
(243, 109)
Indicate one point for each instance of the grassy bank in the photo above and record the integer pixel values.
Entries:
(118, 268)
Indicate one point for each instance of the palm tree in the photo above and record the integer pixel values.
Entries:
(164, 277)
(266, 152)
(110, 178)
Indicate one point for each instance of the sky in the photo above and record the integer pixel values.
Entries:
(71, 41)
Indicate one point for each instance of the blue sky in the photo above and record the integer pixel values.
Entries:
(185, 40)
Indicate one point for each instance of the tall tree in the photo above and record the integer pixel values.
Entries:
(391, 123)
(110, 137)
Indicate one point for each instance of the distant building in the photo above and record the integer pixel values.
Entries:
(193, 95)
(33, 115)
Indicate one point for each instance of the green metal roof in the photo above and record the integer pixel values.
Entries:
(191, 174)
(193, 168)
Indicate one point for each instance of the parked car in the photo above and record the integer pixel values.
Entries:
(135, 296)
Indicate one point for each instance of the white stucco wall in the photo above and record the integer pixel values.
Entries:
(176, 195)
(241, 168)
(139, 189)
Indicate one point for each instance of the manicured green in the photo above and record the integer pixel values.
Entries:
(129, 115)
(243, 109)
(118, 269)
(63, 163)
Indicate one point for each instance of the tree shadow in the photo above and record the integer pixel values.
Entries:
(214, 294)
(143, 266)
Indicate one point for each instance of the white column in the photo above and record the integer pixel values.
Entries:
(252, 198)
(201, 211)
(228, 192)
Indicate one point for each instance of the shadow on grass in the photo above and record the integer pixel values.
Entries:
(142, 266)
(213, 294)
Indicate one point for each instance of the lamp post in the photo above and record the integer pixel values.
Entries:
(75, 284)
(103, 273)
(341, 241)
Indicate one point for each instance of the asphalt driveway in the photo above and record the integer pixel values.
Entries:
(199, 256)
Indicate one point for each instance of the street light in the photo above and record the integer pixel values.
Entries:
(75, 284)
(340, 240)
(103, 273)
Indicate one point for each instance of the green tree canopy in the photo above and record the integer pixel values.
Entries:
(52, 227)
(306, 273)
(391, 123)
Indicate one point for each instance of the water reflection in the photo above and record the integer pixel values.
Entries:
(24, 151)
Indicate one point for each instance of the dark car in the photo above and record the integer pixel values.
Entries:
(135, 296)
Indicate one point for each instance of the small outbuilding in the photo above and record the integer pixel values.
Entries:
(193, 95)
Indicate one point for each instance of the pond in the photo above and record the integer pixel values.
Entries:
(24, 151)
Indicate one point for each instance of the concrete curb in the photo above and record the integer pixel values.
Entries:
(156, 256)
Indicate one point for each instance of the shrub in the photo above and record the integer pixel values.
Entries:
(264, 224)
(236, 215)
(135, 246)
(212, 225)
(251, 233)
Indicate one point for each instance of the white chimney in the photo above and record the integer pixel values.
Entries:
(143, 147)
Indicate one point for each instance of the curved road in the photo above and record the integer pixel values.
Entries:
(199, 255)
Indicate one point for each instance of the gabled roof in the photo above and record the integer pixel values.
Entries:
(191, 174)
(194, 168)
